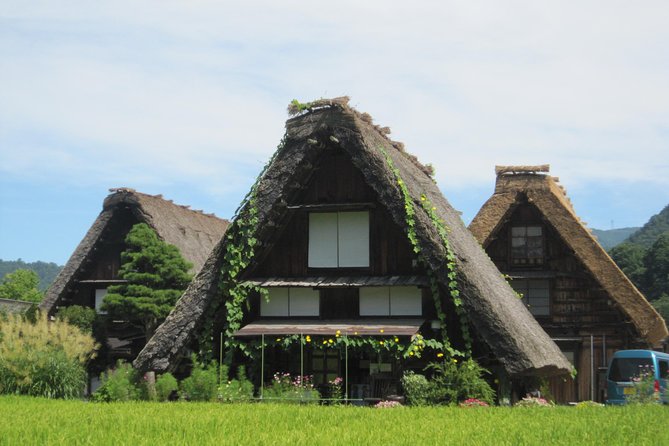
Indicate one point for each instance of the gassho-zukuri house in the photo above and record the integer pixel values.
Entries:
(345, 260)
(95, 263)
(569, 283)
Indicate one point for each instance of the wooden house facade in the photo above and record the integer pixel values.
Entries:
(568, 282)
(95, 263)
(334, 257)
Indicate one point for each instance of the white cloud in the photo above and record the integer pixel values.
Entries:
(192, 90)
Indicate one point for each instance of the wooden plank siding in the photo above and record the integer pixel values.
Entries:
(336, 180)
(579, 306)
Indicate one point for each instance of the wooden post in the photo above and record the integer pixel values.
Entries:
(150, 378)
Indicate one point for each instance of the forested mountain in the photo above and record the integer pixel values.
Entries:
(651, 231)
(47, 272)
(644, 258)
(609, 238)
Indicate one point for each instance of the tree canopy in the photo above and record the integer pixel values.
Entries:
(156, 276)
(21, 285)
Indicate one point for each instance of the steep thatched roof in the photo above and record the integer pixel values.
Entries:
(498, 317)
(544, 192)
(193, 232)
(14, 306)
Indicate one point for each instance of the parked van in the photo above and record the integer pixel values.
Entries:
(629, 365)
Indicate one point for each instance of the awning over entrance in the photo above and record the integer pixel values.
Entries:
(341, 281)
(366, 327)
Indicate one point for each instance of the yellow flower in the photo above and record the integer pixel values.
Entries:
(381, 331)
(278, 339)
(338, 332)
(355, 333)
(434, 208)
(325, 342)
(397, 339)
(410, 353)
(308, 338)
(381, 342)
(455, 360)
(422, 198)
(330, 341)
(440, 355)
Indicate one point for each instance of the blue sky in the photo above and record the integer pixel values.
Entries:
(188, 99)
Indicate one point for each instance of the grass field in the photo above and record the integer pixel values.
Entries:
(25, 421)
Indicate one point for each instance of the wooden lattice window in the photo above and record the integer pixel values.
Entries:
(527, 245)
(536, 295)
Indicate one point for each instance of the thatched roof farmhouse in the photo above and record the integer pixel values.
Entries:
(95, 263)
(580, 297)
(334, 165)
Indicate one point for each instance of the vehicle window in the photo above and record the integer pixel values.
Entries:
(624, 369)
(664, 369)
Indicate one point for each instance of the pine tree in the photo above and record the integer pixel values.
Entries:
(156, 277)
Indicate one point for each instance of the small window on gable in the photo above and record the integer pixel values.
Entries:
(536, 295)
(99, 297)
(527, 245)
(290, 302)
(391, 301)
(339, 239)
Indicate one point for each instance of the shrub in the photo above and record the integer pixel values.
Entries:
(81, 317)
(236, 390)
(532, 401)
(202, 384)
(166, 385)
(387, 404)
(118, 384)
(473, 402)
(453, 382)
(285, 389)
(416, 388)
(644, 387)
(43, 358)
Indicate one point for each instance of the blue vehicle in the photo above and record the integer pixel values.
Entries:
(628, 366)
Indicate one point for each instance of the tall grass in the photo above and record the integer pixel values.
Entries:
(25, 420)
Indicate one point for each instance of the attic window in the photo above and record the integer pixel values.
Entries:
(339, 239)
(527, 245)
(536, 295)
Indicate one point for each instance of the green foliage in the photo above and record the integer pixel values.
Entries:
(240, 249)
(157, 275)
(118, 384)
(236, 390)
(454, 381)
(416, 389)
(644, 388)
(291, 390)
(47, 272)
(662, 306)
(202, 384)
(442, 230)
(81, 317)
(656, 226)
(43, 358)
(656, 262)
(166, 385)
(21, 285)
(630, 258)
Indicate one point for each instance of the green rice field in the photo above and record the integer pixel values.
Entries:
(27, 421)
